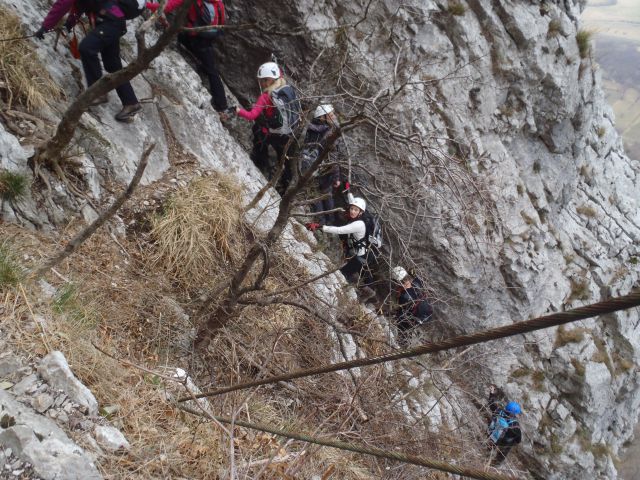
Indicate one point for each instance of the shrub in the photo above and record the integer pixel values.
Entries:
(587, 211)
(10, 270)
(564, 336)
(579, 289)
(601, 131)
(583, 37)
(578, 367)
(554, 28)
(23, 79)
(457, 9)
(12, 185)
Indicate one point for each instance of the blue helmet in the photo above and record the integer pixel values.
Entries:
(513, 408)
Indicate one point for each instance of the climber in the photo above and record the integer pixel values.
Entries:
(108, 22)
(327, 178)
(361, 258)
(275, 114)
(504, 428)
(413, 307)
(200, 44)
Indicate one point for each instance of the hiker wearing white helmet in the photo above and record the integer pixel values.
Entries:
(413, 306)
(358, 254)
(327, 178)
(275, 114)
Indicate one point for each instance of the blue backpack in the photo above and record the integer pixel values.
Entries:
(498, 427)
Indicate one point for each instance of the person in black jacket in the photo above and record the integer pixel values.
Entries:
(504, 429)
(328, 179)
(413, 306)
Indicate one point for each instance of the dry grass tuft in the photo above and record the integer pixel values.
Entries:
(574, 335)
(11, 272)
(13, 185)
(583, 38)
(198, 230)
(23, 79)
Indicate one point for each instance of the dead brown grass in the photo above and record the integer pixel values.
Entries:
(134, 313)
(200, 230)
(23, 78)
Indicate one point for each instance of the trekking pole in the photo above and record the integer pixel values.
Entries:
(24, 37)
(13, 39)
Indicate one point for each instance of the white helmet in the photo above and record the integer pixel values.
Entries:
(398, 274)
(269, 70)
(359, 202)
(322, 110)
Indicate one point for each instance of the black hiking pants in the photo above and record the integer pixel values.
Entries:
(361, 267)
(260, 154)
(105, 40)
(501, 452)
(202, 49)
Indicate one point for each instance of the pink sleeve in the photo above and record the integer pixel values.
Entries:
(168, 8)
(172, 5)
(263, 102)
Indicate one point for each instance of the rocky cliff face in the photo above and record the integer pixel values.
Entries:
(524, 204)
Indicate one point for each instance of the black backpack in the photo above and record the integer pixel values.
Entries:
(209, 13)
(288, 110)
(373, 233)
(131, 8)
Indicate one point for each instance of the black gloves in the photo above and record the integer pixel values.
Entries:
(40, 33)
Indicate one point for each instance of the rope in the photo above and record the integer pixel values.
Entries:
(539, 323)
(376, 452)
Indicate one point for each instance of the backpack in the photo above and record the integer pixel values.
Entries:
(131, 8)
(207, 13)
(498, 428)
(288, 110)
(373, 234)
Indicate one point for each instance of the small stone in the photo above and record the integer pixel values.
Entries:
(42, 402)
(17, 472)
(111, 439)
(5, 385)
(25, 385)
(55, 370)
(9, 363)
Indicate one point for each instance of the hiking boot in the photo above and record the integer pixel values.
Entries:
(128, 112)
(366, 294)
(100, 100)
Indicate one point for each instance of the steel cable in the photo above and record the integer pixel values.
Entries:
(539, 323)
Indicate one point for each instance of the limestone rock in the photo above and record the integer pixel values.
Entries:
(111, 439)
(40, 442)
(55, 370)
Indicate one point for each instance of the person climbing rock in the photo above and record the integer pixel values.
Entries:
(328, 180)
(275, 114)
(360, 256)
(504, 429)
(413, 306)
(200, 44)
(108, 23)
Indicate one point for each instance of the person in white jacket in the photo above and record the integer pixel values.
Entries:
(358, 254)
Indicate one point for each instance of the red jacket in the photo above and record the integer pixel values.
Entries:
(192, 15)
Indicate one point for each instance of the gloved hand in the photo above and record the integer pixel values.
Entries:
(312, 227)
(40, 33)
(347, 186)
(70, 23)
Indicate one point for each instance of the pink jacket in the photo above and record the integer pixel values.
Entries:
(61, 7)
(263, 104)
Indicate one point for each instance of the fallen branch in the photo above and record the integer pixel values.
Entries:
(81, 237)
